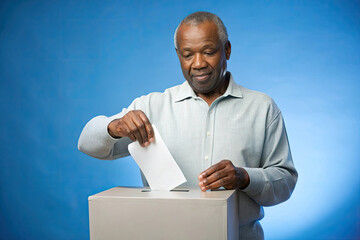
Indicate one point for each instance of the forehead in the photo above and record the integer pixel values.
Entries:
(190, 36)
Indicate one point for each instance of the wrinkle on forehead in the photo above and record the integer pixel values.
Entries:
(197, 35)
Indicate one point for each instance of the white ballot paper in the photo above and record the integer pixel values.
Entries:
(158, 166)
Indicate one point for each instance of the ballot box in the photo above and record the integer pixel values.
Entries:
(137, 213)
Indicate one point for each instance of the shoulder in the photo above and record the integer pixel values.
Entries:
(168, 93)
(157, 98)
(256, 97)
(261, 103)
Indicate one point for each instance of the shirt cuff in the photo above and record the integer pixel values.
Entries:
(257, 180)
(95, 139)
(106, 136)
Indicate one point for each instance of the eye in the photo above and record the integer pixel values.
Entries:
(186, 55)
(209, 53)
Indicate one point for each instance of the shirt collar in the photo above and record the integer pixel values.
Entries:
(186, 91)
(233, 89)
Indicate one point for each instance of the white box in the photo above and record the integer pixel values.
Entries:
(138, 213)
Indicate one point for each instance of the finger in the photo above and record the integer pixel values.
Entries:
(140, 127)
(148, 127)
(212, 169)
(124, 128)
(217, 184)
(134, 130)
(201, 177)
(215, 176)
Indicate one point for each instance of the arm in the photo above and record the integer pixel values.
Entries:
(271, 183)
(275, 181)
(108, 138)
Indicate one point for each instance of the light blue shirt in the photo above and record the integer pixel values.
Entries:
(242, 125)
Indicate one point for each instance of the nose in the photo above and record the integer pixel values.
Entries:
(199, 61)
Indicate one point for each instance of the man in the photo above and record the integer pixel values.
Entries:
(220, 134)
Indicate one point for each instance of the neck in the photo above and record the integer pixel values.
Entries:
(210, 97)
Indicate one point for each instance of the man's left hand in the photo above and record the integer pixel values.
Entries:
(224, 174)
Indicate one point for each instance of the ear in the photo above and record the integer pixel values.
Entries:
(228, 50)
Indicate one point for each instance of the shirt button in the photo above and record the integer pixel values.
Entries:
(208, 133)
(206, 158)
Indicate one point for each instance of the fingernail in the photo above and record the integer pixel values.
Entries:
(204, 182)
(203, 189)
(147, 144)
(151, 139)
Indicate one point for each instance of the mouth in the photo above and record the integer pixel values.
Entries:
(202, 76)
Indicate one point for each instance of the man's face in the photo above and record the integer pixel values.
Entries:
(202, 56)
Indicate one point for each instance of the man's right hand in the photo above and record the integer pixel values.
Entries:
(134, 125)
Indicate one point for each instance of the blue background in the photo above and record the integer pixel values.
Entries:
(64, 62)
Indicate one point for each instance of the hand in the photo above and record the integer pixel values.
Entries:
(134, 125)
(224, 174)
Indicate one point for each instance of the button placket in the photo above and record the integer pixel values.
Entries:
(209, 136)
(206, 150)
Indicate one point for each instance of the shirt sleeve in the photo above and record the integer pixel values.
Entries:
(95, 140)
(274, 181)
